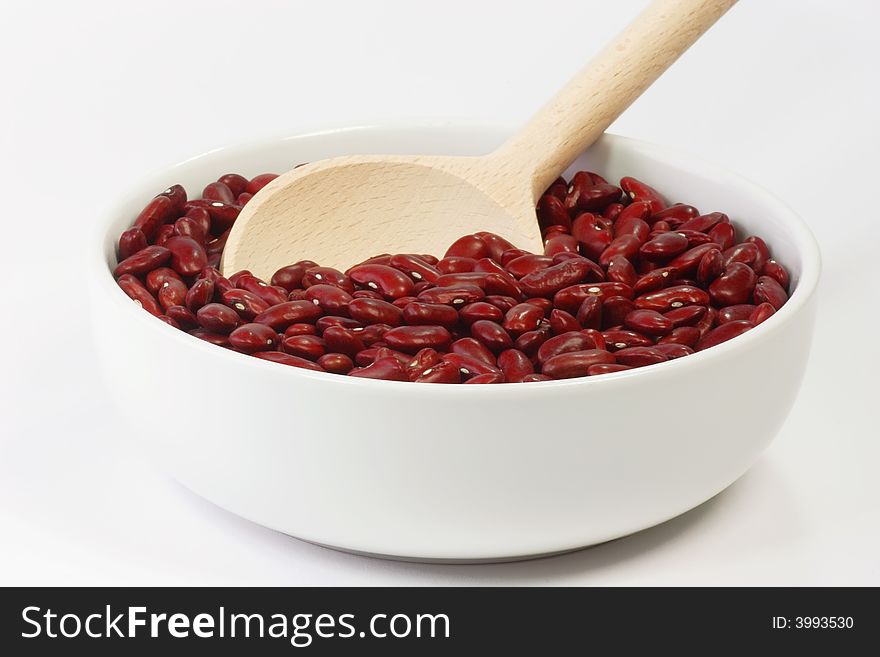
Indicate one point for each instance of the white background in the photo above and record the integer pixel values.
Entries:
(96, 94)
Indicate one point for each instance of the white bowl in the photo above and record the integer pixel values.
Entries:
(435, 472)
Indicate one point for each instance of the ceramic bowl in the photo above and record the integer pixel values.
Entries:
(462, 473)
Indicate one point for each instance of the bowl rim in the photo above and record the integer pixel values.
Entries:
(803, 239)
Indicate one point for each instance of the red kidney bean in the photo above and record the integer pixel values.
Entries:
(589, 315)
(374, 311)
(300, 329)
(768, 290)
(627, 246)
(159, 211)
(546, 305)
(213, 338)
(735, 312)
(710, 267)
(402, 302)
(640, 356)
(655, 279)
(648, 322)
(724, 235)
(678, 213)
(685, 316)
(250, 338)
(139, 294)
(172, 293)
(388, 281)
(257, 183)
(297, 295)
(291, 276)
(336, 363)
(560, 244)
(457, 295)
(619, 269)
(593, 233)
(595, 337)
(761, 313)
(673, 297)
(664, 246)
(735, 285)
(470, 367)
(673, 350)
(327, 321)
(217, 318)
(468, 246)
(282, 315)
(546, 282)
(535, 378)
(705, 223)
(694, 237)
(612, 211)
(269, 293)
(685, 335)
(563, 322)
(143, 261)
(287, 359)
(636, 210)
(372, 294)
(572, 364)
(522, 318)
(776, 271)
(560, 344)
(443, 372)
(617, 339)
(158, 277)
(187, 227)
(527, 264)
(426, 314)
(473, 348)
(501, 302)
(328, 276)
(246, 304)
(592, 197)
(223, 215)
(188, 257)
(414, 267)
(331, 299)
(531, 341)
(495, 243)
(388, 368)
(341, 340)
(687, 262)
(373, 333)
(473, 312)
(310, 347)
(606, 368)
(201, 292)
(723, 333)
(477, 278)
(746, 253)
(171, 322)
(409, 339)
(424, 359)
(571, 298)
(639, 191)
(707, 321)
(182, 316)
(515, 365)
(489, 377)
(218, 191)
(491, 335)
(201, 217)
(615, 309)
(130, 242)
(456, 264)
(236, 183)
(551, 212)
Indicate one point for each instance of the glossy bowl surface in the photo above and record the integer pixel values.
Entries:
(463, 473)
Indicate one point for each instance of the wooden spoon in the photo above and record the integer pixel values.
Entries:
(343, 210)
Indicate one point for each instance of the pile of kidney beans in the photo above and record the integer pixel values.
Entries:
(625, 281)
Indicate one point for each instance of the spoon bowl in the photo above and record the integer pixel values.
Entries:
(368, 200)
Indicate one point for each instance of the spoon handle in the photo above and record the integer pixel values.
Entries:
(579, 113)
